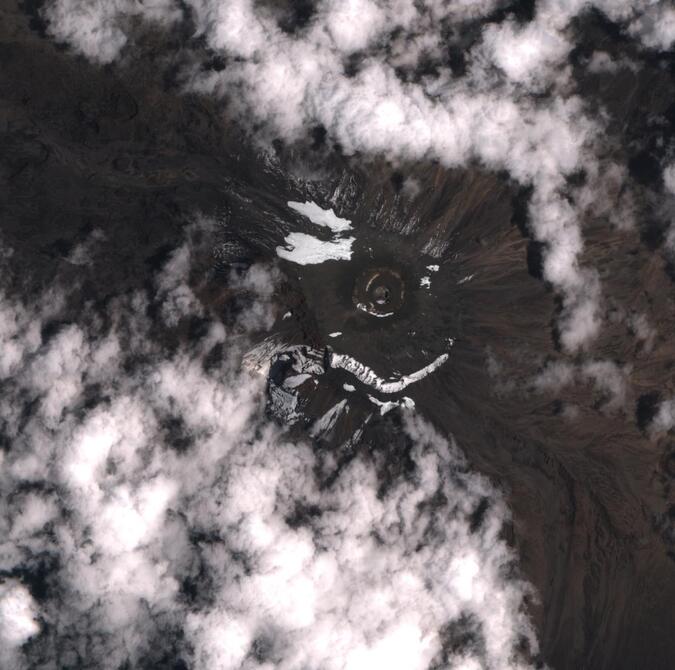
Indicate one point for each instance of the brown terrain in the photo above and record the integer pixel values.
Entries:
(122, 151)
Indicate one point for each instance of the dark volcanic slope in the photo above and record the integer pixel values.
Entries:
(118, 159)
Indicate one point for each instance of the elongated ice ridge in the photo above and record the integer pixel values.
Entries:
(367, 376)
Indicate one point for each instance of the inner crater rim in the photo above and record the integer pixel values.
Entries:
(379, 291)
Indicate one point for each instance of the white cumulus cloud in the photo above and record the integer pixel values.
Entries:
(164, 507)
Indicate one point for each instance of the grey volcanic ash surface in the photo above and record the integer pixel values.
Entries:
(337, 335)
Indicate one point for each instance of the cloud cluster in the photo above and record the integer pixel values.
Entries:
(669, 205)
(664, 418)
(608, 379)
(150, 512)
(17, 620)
(655, 27)
(669, 178)
(354, 68)
(294, 81)
(99, 28)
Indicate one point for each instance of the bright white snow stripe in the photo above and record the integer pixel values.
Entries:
(321, 217)
(325, 423)
(366, 375)
(388, 405)
(308, 250)
(364, 308)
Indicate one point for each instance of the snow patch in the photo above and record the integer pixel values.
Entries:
(325, 424)
(388, 405)
(321, 217)
(305, 249)
(308, 250)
